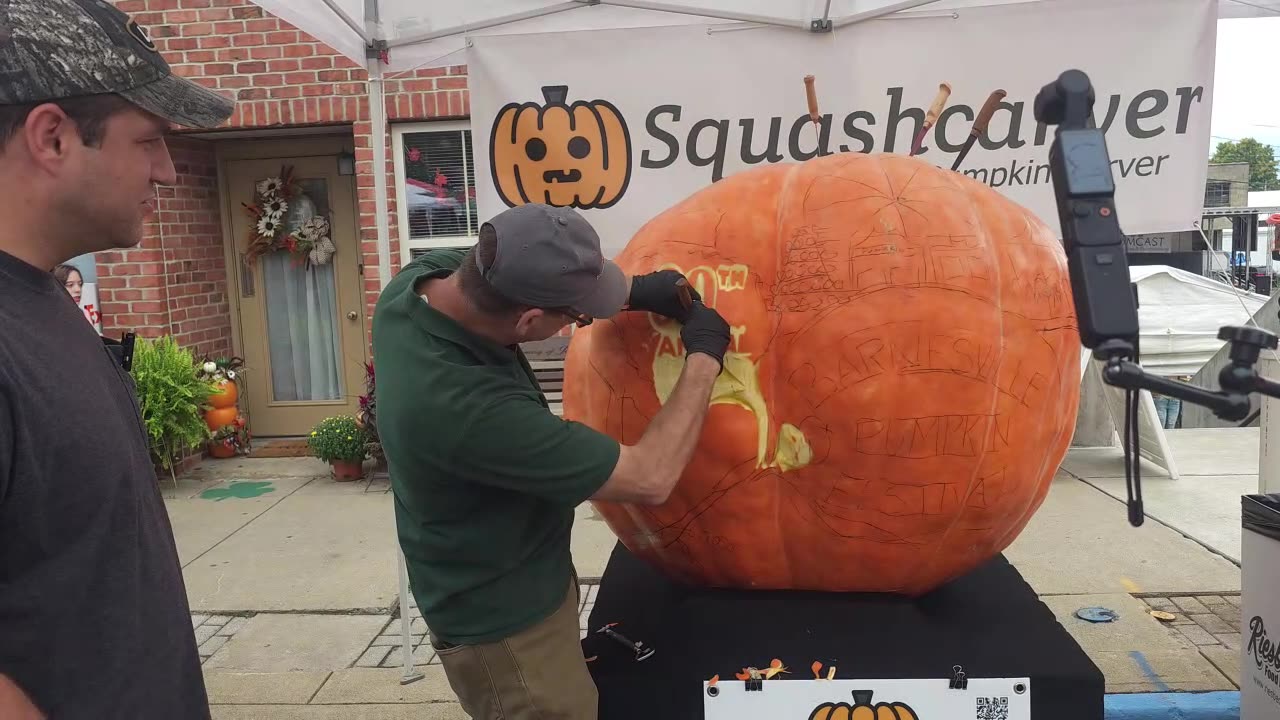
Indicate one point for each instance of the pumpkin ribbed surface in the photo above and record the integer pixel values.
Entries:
(901, 387)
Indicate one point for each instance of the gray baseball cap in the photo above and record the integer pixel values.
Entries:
(61, 49)
(550, 257)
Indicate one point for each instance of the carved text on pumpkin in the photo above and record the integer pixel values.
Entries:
(932, 436)
(910, 347)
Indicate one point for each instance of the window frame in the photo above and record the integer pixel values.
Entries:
(407, 243)
(1217, 187)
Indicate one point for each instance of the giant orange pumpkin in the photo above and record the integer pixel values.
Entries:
(567, 155)
(901, 386)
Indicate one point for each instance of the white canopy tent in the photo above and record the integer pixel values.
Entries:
(1180, 313)
(402, 35)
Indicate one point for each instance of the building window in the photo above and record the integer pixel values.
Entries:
(1217, 193)
(435, 186)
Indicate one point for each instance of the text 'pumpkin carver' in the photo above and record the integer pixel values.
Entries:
(568, 155)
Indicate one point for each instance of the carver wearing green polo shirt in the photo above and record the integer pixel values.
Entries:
(486, 477)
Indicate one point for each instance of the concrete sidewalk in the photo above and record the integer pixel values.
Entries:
(292, 580)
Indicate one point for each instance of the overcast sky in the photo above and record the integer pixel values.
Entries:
(1246, 97)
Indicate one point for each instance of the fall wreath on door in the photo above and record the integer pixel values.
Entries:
(286, 218)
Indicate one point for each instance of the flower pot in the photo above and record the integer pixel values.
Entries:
(225, 396)
(221, 450)
(347, 470)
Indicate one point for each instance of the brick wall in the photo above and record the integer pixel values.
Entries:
(282, 77)
(175, 281)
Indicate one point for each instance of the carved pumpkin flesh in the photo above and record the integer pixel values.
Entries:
(901, 386)
(565, 155)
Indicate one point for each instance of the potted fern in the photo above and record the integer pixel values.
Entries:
(172, 395)
(341, 442)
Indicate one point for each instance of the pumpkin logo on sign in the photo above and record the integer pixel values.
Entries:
(862, 709)
(568, 155)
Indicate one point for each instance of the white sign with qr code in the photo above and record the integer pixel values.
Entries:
(923, 699)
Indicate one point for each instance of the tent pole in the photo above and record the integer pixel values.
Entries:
(702, 12)
(378, 123)
(378, 143)
(344, 17)
(483, 24)
(880, 12)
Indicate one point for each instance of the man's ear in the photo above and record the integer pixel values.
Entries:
(528, 319)
(48, 133)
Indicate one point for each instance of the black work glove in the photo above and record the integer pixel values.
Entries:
(656, 292)
(705, 332)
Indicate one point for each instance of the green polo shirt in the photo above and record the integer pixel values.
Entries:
(485, 477)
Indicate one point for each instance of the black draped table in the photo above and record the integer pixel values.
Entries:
(989, 622)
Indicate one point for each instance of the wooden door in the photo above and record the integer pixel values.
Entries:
(302, 324)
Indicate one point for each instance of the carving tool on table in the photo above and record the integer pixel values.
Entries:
(931, 118)
(980, 125)
(812, 95)
(642, 651)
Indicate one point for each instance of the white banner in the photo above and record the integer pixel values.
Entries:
(981, 699)
(623, 124)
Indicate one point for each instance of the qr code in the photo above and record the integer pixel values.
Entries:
(993, 708)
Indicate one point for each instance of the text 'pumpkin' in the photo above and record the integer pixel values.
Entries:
(900, 390)
(559, 154)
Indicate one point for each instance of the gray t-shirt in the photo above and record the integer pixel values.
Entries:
(94, 619)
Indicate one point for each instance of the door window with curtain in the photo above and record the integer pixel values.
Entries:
(302, 311)
(435, 185)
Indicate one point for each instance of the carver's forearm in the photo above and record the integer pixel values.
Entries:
(672, 436)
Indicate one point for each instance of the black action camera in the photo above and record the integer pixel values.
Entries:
(1103, 294)
(1091, 235)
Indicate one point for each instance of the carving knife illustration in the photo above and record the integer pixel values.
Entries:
(931, 118)
(812, 94)
(980, 125)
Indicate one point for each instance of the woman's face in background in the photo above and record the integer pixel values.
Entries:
(74, 285)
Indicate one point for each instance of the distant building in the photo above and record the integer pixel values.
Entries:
(1227, 185)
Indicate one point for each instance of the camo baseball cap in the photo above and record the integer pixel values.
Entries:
(61, 49)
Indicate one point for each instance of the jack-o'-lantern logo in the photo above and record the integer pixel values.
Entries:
(862, 709)
(568, 155)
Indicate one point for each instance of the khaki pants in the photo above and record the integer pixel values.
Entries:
(537, 674)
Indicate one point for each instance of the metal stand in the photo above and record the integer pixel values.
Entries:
(406, 641)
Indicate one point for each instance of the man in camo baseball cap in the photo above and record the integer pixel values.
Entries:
(60, 49)
(94, 617)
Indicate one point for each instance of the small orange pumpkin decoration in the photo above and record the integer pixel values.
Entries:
(226, 394)
(217, 418)
(565, 155)
(901, 386)
(863, 710)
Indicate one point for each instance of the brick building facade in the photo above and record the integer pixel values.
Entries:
(299, 101)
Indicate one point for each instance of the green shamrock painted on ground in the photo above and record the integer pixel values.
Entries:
(242, 490)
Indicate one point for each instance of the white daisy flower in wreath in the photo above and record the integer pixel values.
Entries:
(268, 225)
(275, 208)
(270, 187)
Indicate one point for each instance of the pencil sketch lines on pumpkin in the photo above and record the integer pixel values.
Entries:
(852, 527)
(893, 499)
(715, 235)
(876, 193)
(706, 502)
(604, 378)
